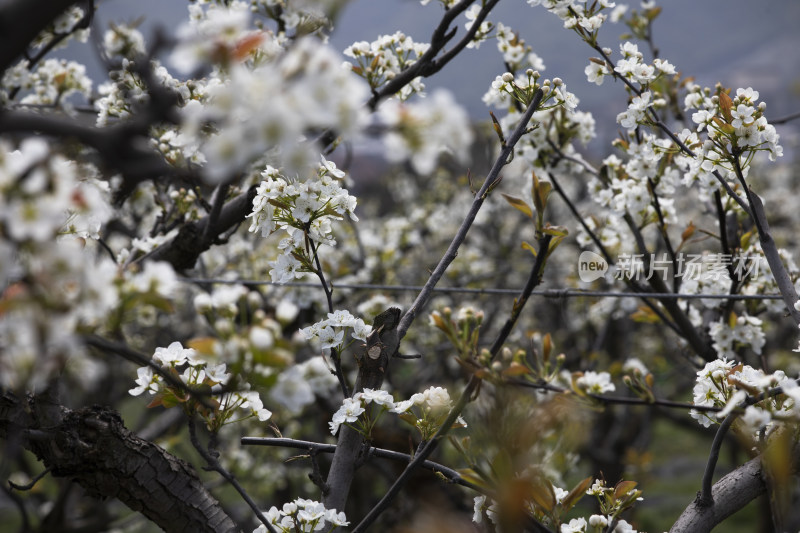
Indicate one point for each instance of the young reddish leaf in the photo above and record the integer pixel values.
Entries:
(247, 44)
(547, 346)
(438, 321)
(468, 474)
(156, 401)
(623, 488)
(203, 345)
(577, 492)
(409, 418)
(556, 231)
(652, 13)
(502, 465)
(516, 369)
(688, 232)
(575, 388)
(725, 105)
(732, 318)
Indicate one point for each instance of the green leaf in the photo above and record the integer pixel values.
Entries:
(518, 204)
(529, 246)
(502, 465)
(556, 231)
(468, 474)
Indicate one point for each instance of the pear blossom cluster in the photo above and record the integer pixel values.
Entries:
(612, 501)
(625, 187)
(303, 515)
(736, 130)
(516, 53)
(52, 209)
(120, 96)
(300, 384)
(483, 31)
(597, 523)
(215, 34)
(742, 331)
(309, 91)
(330, 331)
(66, 24)
(727, 385)
(558, 113)
(302, 210)
(633, 68)
(595, 382)
(196, 372)
(581, 16)
(122, 40)
(421, 131)
(51, 83)
(384, 58)
(425, 410)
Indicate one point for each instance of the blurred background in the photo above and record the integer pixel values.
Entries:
(739, 43)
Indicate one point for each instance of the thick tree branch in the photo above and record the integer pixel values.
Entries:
(93, 448)
(21, 21)
(196, 237)
(730, 494)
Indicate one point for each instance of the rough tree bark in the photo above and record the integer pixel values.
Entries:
(731, 494)
(92, 447)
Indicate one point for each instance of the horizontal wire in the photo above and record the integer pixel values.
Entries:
(546, 293)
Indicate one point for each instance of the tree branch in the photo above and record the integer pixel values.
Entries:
(730, 494)
(449, 473)
(21, 21)
(92, 447)
(196, 237)
(466, 224)
(428, 64)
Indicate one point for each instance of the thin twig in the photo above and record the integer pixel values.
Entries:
(705, 498)
(782, 279)
(215, 465)
(466, 224)
(617, 400)
(33, 482)
(784, 120)
(428, 64)
(452, 475)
